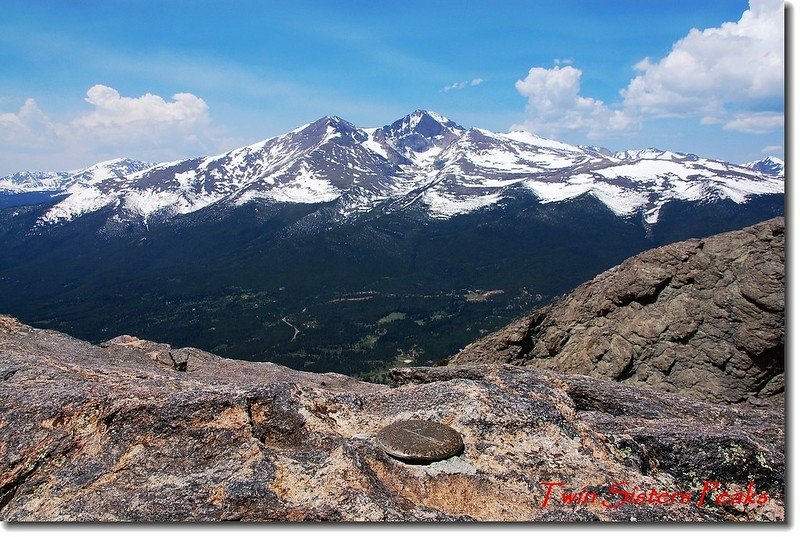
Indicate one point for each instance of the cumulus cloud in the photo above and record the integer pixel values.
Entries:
(146, 126)
(27, 127)
(555, 104)
(463, 84)
(111, 110)
(739, 64)
(731, 76)
(755, 123)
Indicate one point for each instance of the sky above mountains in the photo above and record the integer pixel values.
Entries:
(89, 81)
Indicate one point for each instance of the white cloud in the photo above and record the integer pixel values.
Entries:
(117, 112)
(463, 84)
(27, 128)
(147, 127)
(772, 149)
(739, 64)
(732, 76)
(755, 123)
(556, 106)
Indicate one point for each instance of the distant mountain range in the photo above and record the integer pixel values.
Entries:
(422, 162)
(339, 248)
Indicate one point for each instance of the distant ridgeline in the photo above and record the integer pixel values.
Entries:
(339, 248)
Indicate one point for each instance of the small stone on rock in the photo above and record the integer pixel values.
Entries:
(420, 441)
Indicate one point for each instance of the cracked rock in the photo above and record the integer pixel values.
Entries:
(703, 318)
(113, 433)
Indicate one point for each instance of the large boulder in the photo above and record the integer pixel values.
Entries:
(703, 317)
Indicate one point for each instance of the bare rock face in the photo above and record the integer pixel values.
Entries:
(704, 318)
(133, 430)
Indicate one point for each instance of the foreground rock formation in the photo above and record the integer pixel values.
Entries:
(133, 430)
(704, 318)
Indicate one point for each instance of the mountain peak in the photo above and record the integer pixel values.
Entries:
(117, 167)
(768, 165)
(329, 127)
(333, 121)
(113, 161)
(651, 153)
(421, 135)
(427, 123)
(421, 113)
(597, 150)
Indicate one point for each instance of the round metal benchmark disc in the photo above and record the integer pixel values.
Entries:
(420, 441)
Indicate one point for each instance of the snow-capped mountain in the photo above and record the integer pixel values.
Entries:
(60, 182)
(20, 182)
(481, 168)
(768, 165)
(422, 162)
(420, 136)
(331, 226)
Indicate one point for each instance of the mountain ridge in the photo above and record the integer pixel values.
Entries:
(423, 161)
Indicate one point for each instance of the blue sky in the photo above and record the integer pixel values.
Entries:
(157, 80)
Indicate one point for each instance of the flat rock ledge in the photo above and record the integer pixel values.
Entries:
(703, 318)
(136, 431)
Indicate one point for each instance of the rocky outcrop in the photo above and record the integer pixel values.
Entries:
(704, 318)
(133, 430)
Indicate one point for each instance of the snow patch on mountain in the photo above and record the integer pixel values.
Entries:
(146, 204)
(531, 139)
(80, 202)
(615, 197)
(373, 144)
(305, 187)
(443, 206)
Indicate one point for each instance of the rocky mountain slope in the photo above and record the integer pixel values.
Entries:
(703, 318)
(133, 430)
(423, 163)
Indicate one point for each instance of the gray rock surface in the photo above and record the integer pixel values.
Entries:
(133, 430)
(703, 318)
